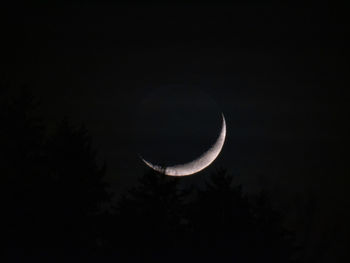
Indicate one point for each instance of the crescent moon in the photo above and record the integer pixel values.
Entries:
(199, 163)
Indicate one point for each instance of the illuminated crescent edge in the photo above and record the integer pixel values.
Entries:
(199, 163)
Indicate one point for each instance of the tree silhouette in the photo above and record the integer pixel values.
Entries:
(220, 217)
(51, 185)
(237, 227)
(22, 173)
(149, 217)
(79, 191)
(216, 223)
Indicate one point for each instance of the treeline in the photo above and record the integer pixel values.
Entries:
(53, 192)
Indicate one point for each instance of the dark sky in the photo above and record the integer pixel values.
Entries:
(278, 73)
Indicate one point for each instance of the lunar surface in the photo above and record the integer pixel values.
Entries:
(199, 163)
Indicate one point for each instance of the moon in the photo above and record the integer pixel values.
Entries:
(199, 163)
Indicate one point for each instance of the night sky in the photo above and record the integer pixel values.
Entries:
(153, 80)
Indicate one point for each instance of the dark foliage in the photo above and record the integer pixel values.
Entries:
(51, 186)
(218, 223)
(148, 218)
